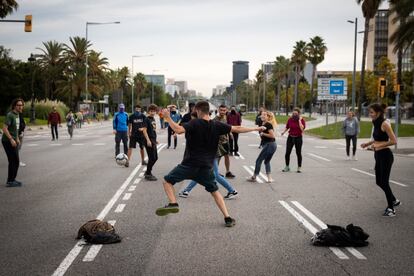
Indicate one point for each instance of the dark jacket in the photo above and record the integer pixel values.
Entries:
(54, 118)
(234, 119)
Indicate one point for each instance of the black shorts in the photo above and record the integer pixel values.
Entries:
(137, 139)
(203, 176)
(226, 147)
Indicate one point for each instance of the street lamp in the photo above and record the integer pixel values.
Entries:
(86, 53)
(353, 72)
(32, 60)
(132, 76)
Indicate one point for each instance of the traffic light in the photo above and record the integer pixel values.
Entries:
(382, 83)
(28, 23)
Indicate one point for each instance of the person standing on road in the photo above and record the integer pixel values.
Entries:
(350, 129)
(187, 116)
(150, 134)
(295, 125)
(234, 119)
(54, 120)
(383, 138)
(22, 127)
(202, 135)
(10, 141)
(259, 121)
(268, 142)
(70, 123)
(120, 127)
(176, 117)
(135, 134)
(224, 144)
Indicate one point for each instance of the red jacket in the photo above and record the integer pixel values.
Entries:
(234, 120)
(294, 128)
(54, 118)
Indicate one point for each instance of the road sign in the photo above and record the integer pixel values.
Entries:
(332, 89)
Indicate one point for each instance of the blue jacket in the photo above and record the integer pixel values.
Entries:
(175, 117)
(120, 121)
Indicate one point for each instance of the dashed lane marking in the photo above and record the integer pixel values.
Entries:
(259, 180)
(320, 147)
(99, 144)
(120, 208)
(260, 173)
(94, 249)
(141, 174)
(132, 188)
(319, 157)
(241, 156)
(32, 145)
(127, 196)
(370, 174)
(137, 180)
(78, 144)
(54, 145)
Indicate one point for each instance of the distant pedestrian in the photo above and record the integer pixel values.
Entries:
(79, 119)
(187, 116)
(268, 138)
(224, 144)
(22, 128)
(70, 123)
(234, 119)
(176, 117)
(350, 129)
(150, 134)
(120, 127)
(383, 138)
(259, 122)
(136, 122)
(10, 141)
(54, 120)
(295, 125)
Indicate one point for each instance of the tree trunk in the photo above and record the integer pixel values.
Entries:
(311, 89)
(399, 76)
(287, 95)
(295, 101)
(364, 54)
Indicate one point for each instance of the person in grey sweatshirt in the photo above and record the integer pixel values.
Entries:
(350, 129)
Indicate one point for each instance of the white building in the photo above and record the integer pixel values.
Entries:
(219, 90)
(172, 89)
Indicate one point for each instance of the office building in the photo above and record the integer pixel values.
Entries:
(240, 72)
(156, 79)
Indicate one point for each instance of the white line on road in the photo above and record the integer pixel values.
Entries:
(99, 144)
(127, 196)
(132, 188)
(141, 174)
(32, 145)
(260, 173)
(320, 147)
(78, 144)
(120, 208)
(253, 145)
(259, 180)
(338, 252)
(55, 144)
(323, 225)
(339, 143)
(340, 148)
(94, 249)
(241, 156)
(370, 174)
(319, 157)
(137, 180)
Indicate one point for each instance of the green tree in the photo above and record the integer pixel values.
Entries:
(281, 70)
(97, 74)
(299, 57)
(140, 84)
(7, 7)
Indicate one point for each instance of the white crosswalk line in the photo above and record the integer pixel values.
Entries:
(259, 180)
(319, 157)
(241, 156)
(370, 174)
(260, 173)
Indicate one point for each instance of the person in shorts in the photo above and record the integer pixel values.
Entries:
(135, 124)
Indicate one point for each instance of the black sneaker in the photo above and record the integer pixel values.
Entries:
(230, 175)
(183, 194)
(150, 177)
(230, 222)
(13, 184)
(171, 208)
(236, 154)
(144, 163)
(231, 195)
(389, 213)
(396, 203)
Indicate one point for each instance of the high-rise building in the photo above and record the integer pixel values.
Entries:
(156, 79)
(240, 72)
(182, 85)
(219, 90)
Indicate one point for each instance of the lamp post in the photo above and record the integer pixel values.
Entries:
(86, 53)
(353, 72)
(32, 60)
(132, 77)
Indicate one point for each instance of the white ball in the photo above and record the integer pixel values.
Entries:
(121, 159)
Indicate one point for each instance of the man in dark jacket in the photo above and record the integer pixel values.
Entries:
(54, 120)
(234, 119)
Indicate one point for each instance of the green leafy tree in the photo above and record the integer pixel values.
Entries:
(7, 7)
(299, 57)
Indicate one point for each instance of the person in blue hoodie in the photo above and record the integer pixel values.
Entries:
(176, 117)
(120, 126)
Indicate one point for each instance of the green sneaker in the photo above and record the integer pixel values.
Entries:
(167, 209)
(286, 169)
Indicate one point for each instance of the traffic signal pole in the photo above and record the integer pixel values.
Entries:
(27, 22)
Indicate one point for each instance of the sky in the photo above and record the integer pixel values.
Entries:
(193, 40)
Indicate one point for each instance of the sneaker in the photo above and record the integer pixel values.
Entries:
(251, 179)
(389, 213)
(171, 208)
(354, 158)
(150, 177)
(183, 194)
(230, 175)
(396, 203)
(22, 164)
(231, 195)
(236, 154)
(269, 180)
(286, 169)
(348, 158)
(144, 163)
(127, 164)
(14, 184)
(230, 222)
(299, 170)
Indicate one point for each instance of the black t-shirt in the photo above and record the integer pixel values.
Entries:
(186, 118)
(151, 126)
(265, 140)
(202, 141)
(137, 121)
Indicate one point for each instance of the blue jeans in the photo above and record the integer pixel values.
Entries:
(218, 177)
(265, 155)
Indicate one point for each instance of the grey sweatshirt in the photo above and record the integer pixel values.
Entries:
(350, 126)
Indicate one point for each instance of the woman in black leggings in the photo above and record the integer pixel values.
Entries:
(383, 138)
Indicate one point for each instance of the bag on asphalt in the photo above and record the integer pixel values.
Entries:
(338, 236)
(98, 232)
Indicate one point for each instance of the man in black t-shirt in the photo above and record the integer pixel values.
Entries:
(187, 117)
(202, 136)
(135, 125)
(150, 134)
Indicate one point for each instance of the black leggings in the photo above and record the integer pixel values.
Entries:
(54, 129)
(170, 133)
(348, 139)
(152, 157)
(13, 157)
(383, 164)
(297, 142)
(234, 143)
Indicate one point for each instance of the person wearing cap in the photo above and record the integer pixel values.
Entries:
(120, 129)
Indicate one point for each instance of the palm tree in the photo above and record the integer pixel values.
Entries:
(299, 58)
(316, 50)
(140, 84)
(369, 10)
(7, 7)
(281, 72)
(97, 77)
(259, 80)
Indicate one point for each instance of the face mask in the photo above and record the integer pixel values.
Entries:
(295, 117)
(121, 110)
(173, 112)
(233, 112)
(137, 112)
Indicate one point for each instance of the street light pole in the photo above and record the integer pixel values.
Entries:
(354, 71)
(132, 77)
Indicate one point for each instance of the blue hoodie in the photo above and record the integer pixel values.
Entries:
(120, 121)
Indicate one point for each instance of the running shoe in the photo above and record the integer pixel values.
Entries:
(14, 184)
(389, 213)
(230, 175)
(150, 177)
(22, 164)
(396, 203)
(348, 158)
(171, 208)
(236, 154)
(286, 169)
(183, 194)
(354, 158)
(231, 195)
(299, 170)
(251, 179)
(144, 163)
(230, 222)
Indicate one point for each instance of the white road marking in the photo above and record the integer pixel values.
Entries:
(370, 174)
(32, 145)
(137, 180)
(319, 157)
(132, 188)
(339, 143)
(320, 147)
(260, 173)
(78, 144)
(99, 144)
(340, 148)
(144, 168)
(55, 144)
(94, 249)
(141, 174)
(259, 180)
(253, 145)
(127, 196)
(323, 225)
(338, 252)
(120, 208)
(241, 156)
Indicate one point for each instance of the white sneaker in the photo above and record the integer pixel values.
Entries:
(348, 158)
(22, 164)
(354, 158)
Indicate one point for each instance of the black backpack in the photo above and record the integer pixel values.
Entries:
(98, 232)
(338, 236)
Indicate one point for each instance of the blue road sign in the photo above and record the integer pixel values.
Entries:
(336, 87)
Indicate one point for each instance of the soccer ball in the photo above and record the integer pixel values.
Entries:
(121, 159)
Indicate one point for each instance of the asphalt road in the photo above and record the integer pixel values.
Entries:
(69, 182)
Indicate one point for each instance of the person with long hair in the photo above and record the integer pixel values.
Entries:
(383, 138)
(350, 129)
(268, 142)
(295, 125)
